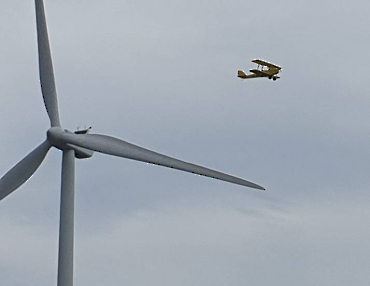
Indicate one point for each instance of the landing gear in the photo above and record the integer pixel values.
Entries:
(274, 78)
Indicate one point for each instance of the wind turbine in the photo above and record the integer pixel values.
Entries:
(80, 144)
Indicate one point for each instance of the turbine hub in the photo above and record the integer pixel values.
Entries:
(54, 135)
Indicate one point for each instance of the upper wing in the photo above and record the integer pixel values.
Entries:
(266, 64)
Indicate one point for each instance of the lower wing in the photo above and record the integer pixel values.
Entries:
(242, 75)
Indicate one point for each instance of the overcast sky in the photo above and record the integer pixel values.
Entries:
(162, 74)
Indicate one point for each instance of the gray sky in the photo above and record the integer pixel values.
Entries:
(162, 74)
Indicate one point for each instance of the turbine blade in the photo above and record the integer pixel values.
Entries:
(47, 80)
(113, 146)
(21, 172)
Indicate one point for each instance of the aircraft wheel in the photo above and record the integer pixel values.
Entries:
(270, 77)
(274, 78)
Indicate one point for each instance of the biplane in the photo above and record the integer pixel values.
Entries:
(264, 69)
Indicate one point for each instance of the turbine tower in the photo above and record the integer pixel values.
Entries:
(80, 144)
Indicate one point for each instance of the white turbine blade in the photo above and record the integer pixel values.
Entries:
(113, 146)
(47, 80)
(21, 172)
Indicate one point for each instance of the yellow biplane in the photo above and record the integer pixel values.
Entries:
(264, 69)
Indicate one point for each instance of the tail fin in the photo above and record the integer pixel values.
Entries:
(241, 74)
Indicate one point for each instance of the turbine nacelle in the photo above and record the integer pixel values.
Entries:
(56, 137)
